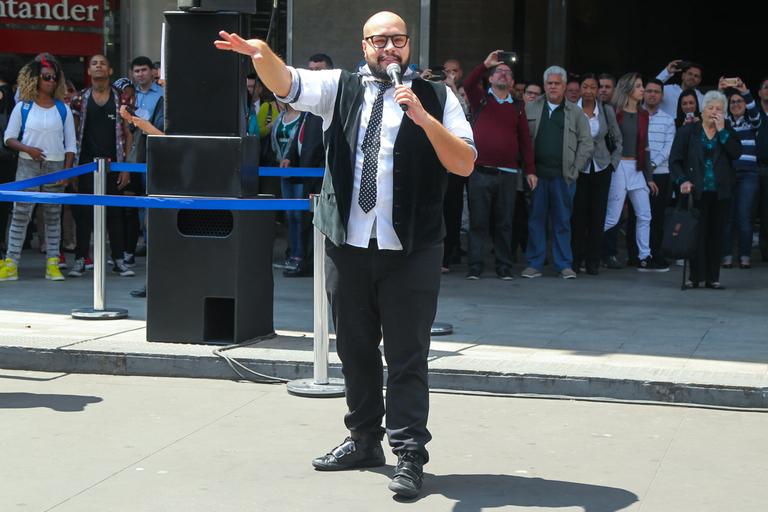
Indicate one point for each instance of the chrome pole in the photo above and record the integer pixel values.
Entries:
(99, 311)
(99, 242)
(320, 385)
(321, 308)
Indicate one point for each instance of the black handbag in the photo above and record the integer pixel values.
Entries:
(681, 230)
(610, 140)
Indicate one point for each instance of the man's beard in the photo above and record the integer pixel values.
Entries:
(380, 72)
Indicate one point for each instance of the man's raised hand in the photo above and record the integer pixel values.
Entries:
(234, 43)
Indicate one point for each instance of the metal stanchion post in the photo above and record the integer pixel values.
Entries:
(99, 311)
(320, 385)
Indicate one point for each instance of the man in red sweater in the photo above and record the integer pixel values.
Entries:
(503, 142)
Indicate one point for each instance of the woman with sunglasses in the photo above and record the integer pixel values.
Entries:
(42, 130)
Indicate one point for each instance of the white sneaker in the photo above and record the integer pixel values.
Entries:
(530, 273)
(78, 269)
(122, 270)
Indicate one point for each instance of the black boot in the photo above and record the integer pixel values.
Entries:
(352, 454)
(409, 474)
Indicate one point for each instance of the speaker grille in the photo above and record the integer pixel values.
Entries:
(205, 223)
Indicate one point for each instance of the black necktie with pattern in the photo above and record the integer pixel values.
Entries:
(371, 144)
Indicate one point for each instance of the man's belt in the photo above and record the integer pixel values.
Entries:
(493, 171)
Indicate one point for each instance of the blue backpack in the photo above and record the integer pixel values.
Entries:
(26, 107)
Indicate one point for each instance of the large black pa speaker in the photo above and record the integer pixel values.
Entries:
(181, 165)
(209, 275)
(247, 6)
(205, 90)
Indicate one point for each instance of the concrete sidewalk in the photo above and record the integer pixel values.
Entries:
(623, 335)
(94, 443)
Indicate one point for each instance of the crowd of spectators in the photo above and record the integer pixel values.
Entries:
(567, 163)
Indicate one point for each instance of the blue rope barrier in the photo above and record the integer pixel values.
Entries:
(278, 172)
(126, 166)
(49, 178)
(292, 172)
(180, 203)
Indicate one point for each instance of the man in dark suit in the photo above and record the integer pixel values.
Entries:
(381, 210)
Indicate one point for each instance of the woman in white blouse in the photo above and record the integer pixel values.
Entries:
(41, 128)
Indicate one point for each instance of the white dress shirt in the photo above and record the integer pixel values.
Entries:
(315, 92)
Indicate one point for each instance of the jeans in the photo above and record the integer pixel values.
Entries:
(740, 215)
(552, 199)
(491, 195)
(293, 190)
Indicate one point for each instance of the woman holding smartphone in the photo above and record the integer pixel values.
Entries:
(701, 164)
(744, 117)
(688, 110)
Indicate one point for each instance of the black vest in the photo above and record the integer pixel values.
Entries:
(419, 179)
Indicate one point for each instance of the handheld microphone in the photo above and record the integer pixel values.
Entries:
(394, 74)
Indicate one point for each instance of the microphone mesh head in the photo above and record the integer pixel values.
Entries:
(394, 67)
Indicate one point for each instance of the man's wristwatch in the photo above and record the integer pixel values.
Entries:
(653, 166)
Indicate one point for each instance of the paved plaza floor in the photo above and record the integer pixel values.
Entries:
(622, 334)
(98, 443)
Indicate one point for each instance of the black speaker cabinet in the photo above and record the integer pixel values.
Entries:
(205, 91)
(209, 275)
(203, 166)
(247, 6)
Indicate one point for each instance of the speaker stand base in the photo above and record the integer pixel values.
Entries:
(308, 388)
(99, 314)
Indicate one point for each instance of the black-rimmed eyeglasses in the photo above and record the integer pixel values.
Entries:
(379, 42)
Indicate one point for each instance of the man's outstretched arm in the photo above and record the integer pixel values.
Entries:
(271, 69)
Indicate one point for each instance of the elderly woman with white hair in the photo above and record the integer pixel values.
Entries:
(701, 164)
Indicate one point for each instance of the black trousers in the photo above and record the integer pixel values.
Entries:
(659, 204)
(520, 223)
(311, 186)
(588, 219)
(453, 207)
(713, 214)
(372, 293)
(763, 211)
(83, 216)
(491, 196)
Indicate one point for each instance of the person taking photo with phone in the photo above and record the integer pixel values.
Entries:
(744, 117)
(690, 78)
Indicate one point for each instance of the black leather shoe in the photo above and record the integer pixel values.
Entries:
(139, 294)
(352, 454)
(409, 475)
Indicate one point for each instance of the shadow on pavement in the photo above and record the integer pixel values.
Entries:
(61, 403)
(477, 492)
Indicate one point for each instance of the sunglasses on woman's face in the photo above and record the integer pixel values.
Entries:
(48, 77)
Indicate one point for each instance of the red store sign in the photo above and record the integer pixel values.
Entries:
(61, 27)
